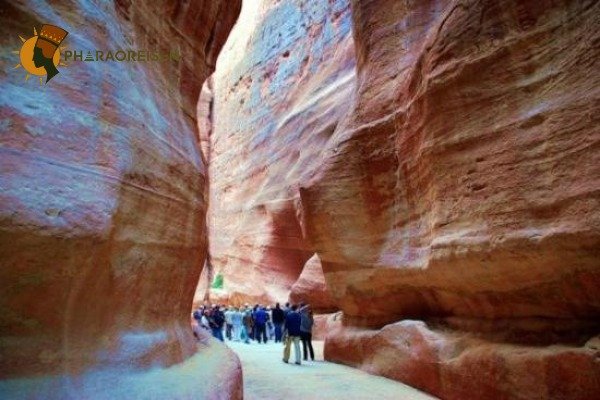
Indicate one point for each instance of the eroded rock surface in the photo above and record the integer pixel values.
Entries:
(286, 76)
(454, 178)
(464, 183)
(310, 288)
(102, 232)
(469, 365)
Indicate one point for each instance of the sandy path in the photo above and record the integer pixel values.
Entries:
(266, 377)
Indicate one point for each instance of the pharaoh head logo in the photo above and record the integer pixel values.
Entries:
(40, 54)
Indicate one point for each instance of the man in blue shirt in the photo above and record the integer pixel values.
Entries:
(260, 321)
(292, 334)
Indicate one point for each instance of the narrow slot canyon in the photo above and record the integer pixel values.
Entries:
(424, 174)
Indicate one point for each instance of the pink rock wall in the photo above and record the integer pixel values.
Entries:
(453, 179)
(469, 177)
(102, 232)
(287, 75)
(464, 183)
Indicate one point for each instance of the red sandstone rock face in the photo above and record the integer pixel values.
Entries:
(310, 288)
(465, 183)
(204, 113)
(321, 326)
(101, 192)
(286, 76)
(460, 365)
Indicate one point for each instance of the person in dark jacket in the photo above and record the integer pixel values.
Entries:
(216, 321)
(292, 334)
(306, 324)
(260, 323)
(254, 335)
(278, 320)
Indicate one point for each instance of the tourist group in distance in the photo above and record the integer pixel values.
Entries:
(289, 325)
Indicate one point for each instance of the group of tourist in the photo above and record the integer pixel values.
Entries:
(291, 324)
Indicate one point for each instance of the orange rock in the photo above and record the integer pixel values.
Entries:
(310, 288)
(463, 181)
(321, 325)
(462, 184)
(460, 365)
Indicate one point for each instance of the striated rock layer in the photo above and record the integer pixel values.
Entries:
(464, 183)
(465, 180)
(286, 75)
(102, 230)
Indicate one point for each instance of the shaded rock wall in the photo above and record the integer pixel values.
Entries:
(287, 75)
(102, 232)
(463, 186)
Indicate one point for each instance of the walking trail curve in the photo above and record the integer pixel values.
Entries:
(266, 377)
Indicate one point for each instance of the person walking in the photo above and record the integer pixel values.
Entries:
(292, 334)
(306, 324)
(260, 320)
(278, 320)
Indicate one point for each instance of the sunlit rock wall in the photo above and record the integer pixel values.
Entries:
(283, 80)
(102, 233)
(464, 185)
(310, 288)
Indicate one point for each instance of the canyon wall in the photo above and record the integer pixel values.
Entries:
(102, 233)
(284, 79)
(462, 189)
(443, 165)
